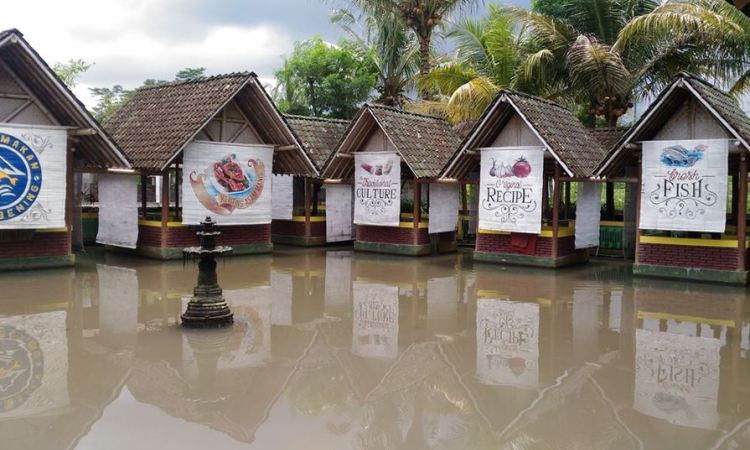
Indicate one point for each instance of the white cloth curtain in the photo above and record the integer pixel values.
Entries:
(444, 204)
(588, 214)
(339, 213)
(118, 211)
(282, 202)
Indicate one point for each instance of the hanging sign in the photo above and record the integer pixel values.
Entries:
(377, 188)
(33, 177)
(510, 189)
(118, 211)
(588, 214)
(375, 321)
(282, 198)
(684, 185)
(443, 208)
(229, 182)
(339, 213)
(507, 343)
(677, 378)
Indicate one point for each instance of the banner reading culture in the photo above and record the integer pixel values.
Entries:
(33, 177)
(230, 182)
(377, 188)
(684, 185)
(510, 189)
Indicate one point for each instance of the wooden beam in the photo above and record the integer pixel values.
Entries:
(285, 148)
(638, 211)
(556, 211)
(741, 202)
(144, 200)
(17, 111)
(164, 207)
(417, 188)
(82, 132)
(344, 155)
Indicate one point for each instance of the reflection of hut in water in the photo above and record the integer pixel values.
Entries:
(210, 145)
(47, 141)
(687, 152)
(393, 158)
(307, 222)
(524, 156)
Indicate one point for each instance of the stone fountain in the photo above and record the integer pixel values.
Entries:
(207, 307)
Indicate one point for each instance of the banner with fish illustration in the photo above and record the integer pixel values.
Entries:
(118, 211)
(684, 185)
(33, 365)
(510, 189)
(375, 320)
(507, 343)
(444, 207)
(377, 188)
(677, 378)
(229, 182)
(33, 176)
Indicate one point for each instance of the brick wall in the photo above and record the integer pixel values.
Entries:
(391, 235)
(715, 258)
(500, 243)
(185, 236)
(24, 244)
(150, 236)
(289, 228)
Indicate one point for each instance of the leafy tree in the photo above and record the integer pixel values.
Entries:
(328, 80)
(190, 73)
(70, 71)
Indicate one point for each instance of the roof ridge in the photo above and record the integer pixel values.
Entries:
(198, 80)
(532, 97)
(316, 119)
(402, 111)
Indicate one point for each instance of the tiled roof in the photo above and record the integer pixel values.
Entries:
(426, 143)
(726, 105)
(158, 121)
(608, 137)
(319, 136)
(562, 133)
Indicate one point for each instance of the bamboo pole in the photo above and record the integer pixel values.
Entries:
(741, 208)
(556, 211)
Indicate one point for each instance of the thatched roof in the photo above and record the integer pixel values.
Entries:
(95, 151)
(424, 143)
(563, 135)
(158, 122)
(318, 136)
(719, 104)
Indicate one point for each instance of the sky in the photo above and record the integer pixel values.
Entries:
(129, 41)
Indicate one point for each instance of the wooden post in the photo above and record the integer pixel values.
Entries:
(416, 211)
(556, 211)
(177, 174)
(144, 198)
(567, 200)
(610, 208)
(164, 207)
(735, 193)
(638, 210)
(307, 205)
(741, 207)
(545, 196)
(69, 194)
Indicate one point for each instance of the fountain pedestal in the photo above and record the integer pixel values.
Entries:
(207, 307)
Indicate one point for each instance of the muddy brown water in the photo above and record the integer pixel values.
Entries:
(340, 350)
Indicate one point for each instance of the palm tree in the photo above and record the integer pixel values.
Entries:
(421, 16)
(392, 47)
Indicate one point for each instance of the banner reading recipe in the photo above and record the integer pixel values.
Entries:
(377, 189)
(510, 189)
(229, 182)
(684, 185)
(33, 162)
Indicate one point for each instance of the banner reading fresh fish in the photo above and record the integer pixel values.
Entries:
(377, 188)
(684, 185)
(33, 176)
(510, 189)
(230, 182)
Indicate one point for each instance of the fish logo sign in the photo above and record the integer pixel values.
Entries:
(21, 367)
(20, 177)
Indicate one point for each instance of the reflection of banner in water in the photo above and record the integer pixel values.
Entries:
(677, 378)
(118, 210)
(443, 208)
(377, 189)
(281, 298)
(587, 304)
(442, 298)
(282, 198)
(118, 300)
(375, 321)
(338, 279)
(33, 364)
(339, 213)
(250, 342)
(507, 343)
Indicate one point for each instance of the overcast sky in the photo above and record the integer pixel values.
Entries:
(132, 40)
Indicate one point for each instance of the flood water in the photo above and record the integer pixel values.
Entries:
(336, 350)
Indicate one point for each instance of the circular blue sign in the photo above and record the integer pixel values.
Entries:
(20, 177)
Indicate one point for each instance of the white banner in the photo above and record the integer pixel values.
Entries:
(34, 364)
(507, 343)
(229, 182)
(339, 213)
(510, 189)
(118, 211)
(444, 207)
(588, 214)
(282, 198)
(684, 185)
(33, 176)
(377, 189)
(677, 378)
(375, 324)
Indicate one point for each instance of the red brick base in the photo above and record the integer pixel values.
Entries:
(291, 232)
(500, 243)
(714, 258)
(392, 235)
(28, 249)
(152, 242)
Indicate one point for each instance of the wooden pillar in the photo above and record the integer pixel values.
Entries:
(416, 211)
(164, 207)
(144, 199)
(735, 193)
(545, 195)
(308, 198)
(69, 193)
(741, 207)
(177, 173)
(556, 211)
(610, 206)
(638, 210)
(567, 199)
